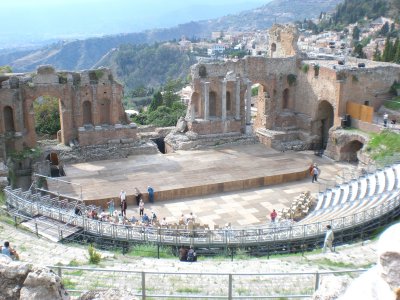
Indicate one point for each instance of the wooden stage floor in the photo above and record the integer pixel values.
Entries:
(183, 174)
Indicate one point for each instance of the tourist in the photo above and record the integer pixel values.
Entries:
(138, 196)
(124, 206)
(150, 190)
(328, 238)
(145, 219)
(164, 222)
(182, 220)
(10, 252)
(102, 215)
(122, 195)
(111, 207)
(182, 253)
(133, 220)
(385, 119)
(141, 207)
(315, 173)
(153, 217)
(191, 255)
(273, 215)
(78, 211)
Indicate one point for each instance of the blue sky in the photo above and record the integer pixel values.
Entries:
(46, 19)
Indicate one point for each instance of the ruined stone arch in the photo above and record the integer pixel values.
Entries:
(213, 104)
(324, 121)
(349, 152)
(8, 117)
(87, 113)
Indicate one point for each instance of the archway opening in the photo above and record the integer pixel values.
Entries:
(56, 168)
(213, 104)
(325, 118)
(349, 151)
(228, 102)
(9, 124)
(105, 112)
(160, 144)
(285, 99)
(87, 113)
(273, 49)
(47, 117)
(195, 102)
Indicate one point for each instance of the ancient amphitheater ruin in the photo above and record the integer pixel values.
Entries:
(301, 105)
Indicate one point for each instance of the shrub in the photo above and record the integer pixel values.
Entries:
(291, 79)
(94, 256)
(305, 68)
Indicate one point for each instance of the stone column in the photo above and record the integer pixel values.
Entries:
(206, 95)
(237, 99)
(223, 99)
(248, 103)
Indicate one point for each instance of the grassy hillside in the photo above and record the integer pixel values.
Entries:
(149, 65)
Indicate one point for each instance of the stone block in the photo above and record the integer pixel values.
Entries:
(114, 141)
(127, 141)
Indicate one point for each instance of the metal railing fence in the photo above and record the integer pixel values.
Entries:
(186, 285)
(238, 238)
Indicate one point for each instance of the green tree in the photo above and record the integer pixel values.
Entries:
(397, 54)
(358, 51)
(394, 50)
(47, 115)
(156, 102)
(377, 54)
(356, 33)
(387, 52)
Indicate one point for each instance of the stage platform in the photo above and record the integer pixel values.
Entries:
(183, 174)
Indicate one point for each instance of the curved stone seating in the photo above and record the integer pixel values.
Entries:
(369, 190)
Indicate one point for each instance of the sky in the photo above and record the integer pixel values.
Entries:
(35, 20)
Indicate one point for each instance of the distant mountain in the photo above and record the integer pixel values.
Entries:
(276, 11)
(84, 54)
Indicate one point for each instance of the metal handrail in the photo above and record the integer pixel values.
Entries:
(217, 237)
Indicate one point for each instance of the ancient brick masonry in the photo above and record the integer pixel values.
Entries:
(299, 101)
(91, 110)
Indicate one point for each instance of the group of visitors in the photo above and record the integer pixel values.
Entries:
(7, 250)
(187, 219)
(120, 216)
(187, 255)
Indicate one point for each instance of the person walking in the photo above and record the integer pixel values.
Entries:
(385, 119)
(150, 190)
(329, 237)
(124, 206)
(138, 196)
(315, 172)
(273, 215)
(141, 207)
(111, 207)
